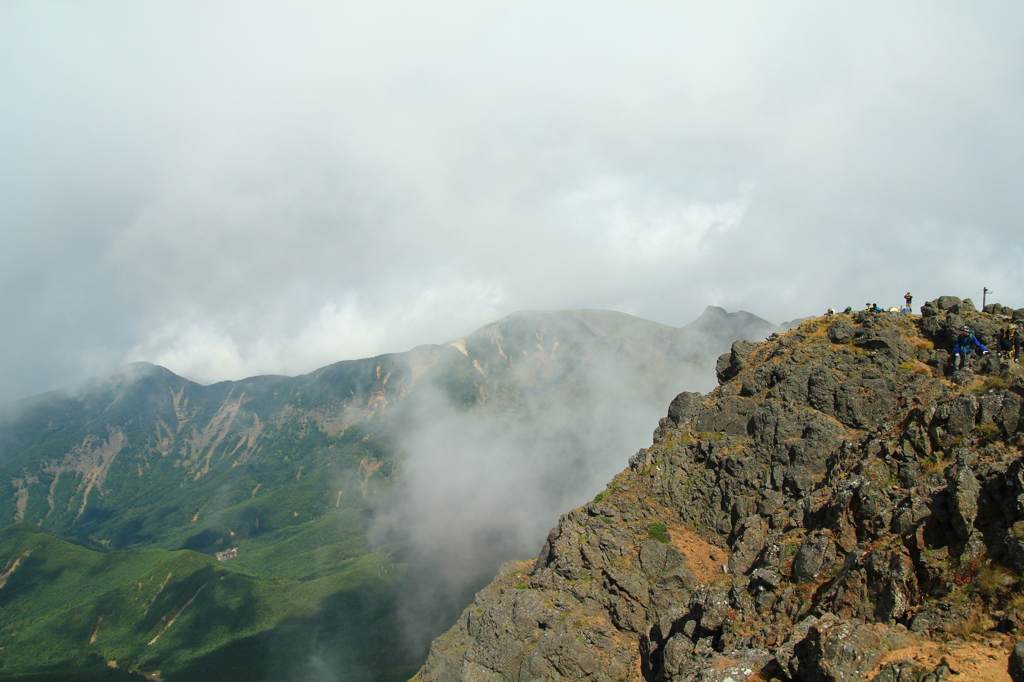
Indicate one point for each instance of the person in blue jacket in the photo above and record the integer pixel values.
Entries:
(966, 342)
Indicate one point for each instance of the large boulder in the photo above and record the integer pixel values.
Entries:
(684, 407)
(964, 490)
(863, 400)
(730, 416)
(963, 307)
(750, 540)
(681, 411)
(962, 414)
(1016, 663)
(841, 331)
(838, 650)
(817, 551)
(732, 363)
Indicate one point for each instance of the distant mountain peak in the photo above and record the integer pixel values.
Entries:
(713, 310)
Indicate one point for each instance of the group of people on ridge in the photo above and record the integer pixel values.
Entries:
(874, 307)
(1008, 346)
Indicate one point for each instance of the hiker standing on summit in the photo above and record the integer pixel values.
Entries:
(965, 344)
(908, 298)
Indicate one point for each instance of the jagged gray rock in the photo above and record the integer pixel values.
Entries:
(835, 499)
(1016, 664)
(837, 650)
(732, 364)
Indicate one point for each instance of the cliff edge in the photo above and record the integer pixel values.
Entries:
(842, 507)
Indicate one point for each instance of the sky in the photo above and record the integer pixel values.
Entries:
(239, 188)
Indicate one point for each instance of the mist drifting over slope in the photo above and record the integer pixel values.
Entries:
(482, 481)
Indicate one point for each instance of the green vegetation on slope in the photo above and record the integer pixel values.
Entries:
(64, 606)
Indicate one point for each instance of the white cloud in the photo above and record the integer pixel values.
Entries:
(212, 349)
(198, 352)
(248, 170)
(639, 227)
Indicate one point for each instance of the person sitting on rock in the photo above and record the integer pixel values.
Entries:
(965, 344)
(1005, 345)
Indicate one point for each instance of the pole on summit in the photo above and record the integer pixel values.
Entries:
(985, 291)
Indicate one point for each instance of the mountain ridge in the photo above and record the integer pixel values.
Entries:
(591, 317)
(195, 420)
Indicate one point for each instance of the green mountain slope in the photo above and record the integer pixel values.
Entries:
(65, 606)
(292, 476)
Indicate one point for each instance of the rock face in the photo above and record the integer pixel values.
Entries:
(837, 500)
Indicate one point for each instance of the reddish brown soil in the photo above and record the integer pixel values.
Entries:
(704, 558)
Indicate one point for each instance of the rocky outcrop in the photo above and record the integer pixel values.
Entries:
(838, 500)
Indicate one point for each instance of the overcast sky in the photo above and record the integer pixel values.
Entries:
(230, 189)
